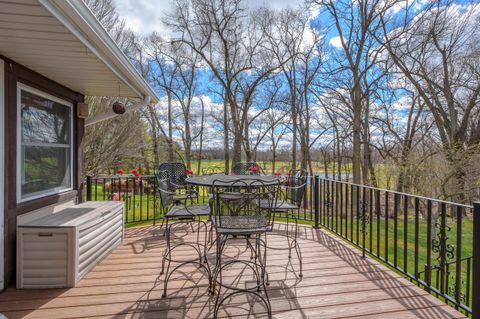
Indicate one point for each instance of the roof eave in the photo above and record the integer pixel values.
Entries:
(82, 23)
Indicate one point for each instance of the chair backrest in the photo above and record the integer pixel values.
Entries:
(295, 189)
(236, 204)
(166, 200)
(177, 172)
(248, 168)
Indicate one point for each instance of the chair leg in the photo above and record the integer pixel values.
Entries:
(265, 280)
(288, 236)
(297, 248)
(168, 256)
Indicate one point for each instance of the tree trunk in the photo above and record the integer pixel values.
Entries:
(357, 152)
(226, 151)
(294, 136)
(237, 147)
(170, 128)
(153, 121)
(200, 147)
(274, 158)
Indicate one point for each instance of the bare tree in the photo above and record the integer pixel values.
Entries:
(231, 43)
(438, 51)
(353, 58)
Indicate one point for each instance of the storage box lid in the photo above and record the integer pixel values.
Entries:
(75, 215)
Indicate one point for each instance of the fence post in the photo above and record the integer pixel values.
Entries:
(316, 200)
(89, 188)
(476, 262)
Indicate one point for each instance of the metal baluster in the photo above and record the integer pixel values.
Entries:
(377, 208)
(316, 187)
(336, 207)
(324, 204)
(352, 205)
(405, 232)
(467, 292)
(148, 200)
(96, 188)
(370, 212)
(417, 212)
(141, 198)
(386, 226)
(341, 208)
(358, 212)
(346, 210)
(442, 258)
(103, 188)
(89, 188)
(428, 271)
(476, 262)
(458, 261)
(364, 220)
(395, 229)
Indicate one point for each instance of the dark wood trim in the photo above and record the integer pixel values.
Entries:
(15, 73)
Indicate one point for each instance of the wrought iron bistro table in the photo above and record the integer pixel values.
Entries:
(208, 180)
(249, 226)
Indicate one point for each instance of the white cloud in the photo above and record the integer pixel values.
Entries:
(145, 16)
(336, 42)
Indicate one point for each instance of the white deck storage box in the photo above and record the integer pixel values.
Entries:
(59, 249)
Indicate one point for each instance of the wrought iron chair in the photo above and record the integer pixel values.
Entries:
(236, 215)
(249, 168)
(289, 204)
(176, 214)
(176, 175)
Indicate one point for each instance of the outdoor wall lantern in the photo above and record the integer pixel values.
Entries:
(118, 107)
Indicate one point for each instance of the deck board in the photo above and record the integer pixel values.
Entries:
(337, 283)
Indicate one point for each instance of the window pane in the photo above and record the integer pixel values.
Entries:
(43, 120)
(45, 169)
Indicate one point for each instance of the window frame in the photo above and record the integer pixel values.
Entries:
(57, 190)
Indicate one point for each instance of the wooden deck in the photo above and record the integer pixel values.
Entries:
(337, 283)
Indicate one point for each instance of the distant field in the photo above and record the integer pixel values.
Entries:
(280, 166)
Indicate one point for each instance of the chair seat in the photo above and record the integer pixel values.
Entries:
(181, 197)
(228, 196)
(279, 205)
(241, 224)
(188, 211)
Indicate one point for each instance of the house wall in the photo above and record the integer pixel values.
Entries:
(17, 73)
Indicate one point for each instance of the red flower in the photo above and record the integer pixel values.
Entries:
(253, 168)
(277, 173)
(120, 171)
(135, 172)
(189, 171)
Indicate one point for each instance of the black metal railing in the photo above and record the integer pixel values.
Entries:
(142, 203)
(138, 193)
(432, 242)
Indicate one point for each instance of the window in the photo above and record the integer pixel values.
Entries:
(44, 143)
